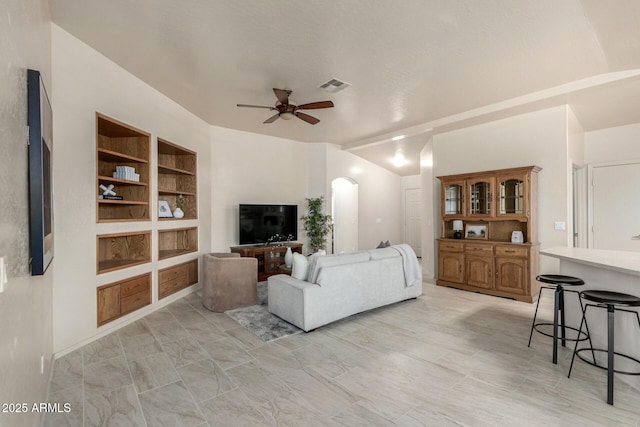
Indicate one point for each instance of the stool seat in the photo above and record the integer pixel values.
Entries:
(559, 279)
(608, 297)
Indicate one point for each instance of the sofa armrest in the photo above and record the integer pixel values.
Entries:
(288, 296)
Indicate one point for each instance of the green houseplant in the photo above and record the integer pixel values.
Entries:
(317, 224)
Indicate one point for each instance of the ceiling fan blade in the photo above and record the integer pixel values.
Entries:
(254, 106)
(307, 118)
(282, 95)
(272, 118)
(315, 105)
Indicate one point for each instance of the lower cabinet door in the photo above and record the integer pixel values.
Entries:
(451, 267)
(108, 303)
(479, 271)
(511, 275)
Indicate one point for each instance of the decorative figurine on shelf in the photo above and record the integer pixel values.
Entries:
(108, 193)
(181, 202)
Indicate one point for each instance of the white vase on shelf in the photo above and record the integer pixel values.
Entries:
(178, 213)
(288, 258)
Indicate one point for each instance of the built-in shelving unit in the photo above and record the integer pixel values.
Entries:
(118, 146)
(123, 165)
(122, 250)
(177, 241)
(177, 179)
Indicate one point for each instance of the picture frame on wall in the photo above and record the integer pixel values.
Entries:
(475, 231)
(40, 121)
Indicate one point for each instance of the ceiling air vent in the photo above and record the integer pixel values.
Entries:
(334, 85)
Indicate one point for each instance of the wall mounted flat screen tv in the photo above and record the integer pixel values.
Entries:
(260, 222)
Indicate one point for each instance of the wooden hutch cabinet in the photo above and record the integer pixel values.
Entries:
(496, 203)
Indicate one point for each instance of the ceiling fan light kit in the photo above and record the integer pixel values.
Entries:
(287, 111)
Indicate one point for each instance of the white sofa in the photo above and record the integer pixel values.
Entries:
(338, 286)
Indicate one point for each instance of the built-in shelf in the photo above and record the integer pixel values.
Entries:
(177, 241)
(122, 250)
(119, 144)
(177, 181)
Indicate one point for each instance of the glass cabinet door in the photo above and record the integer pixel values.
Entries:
(453, 198)
(480, 197)
(511, 199)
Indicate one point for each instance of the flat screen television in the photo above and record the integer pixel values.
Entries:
(258, 223)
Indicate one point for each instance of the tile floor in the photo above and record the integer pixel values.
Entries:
(448, 358)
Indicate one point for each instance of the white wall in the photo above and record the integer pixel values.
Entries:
(575, 159)
(430, 211)
(380, 197)
(85, 83)
(251, 168)
(538, 138)
(26, 303)
(613, 144)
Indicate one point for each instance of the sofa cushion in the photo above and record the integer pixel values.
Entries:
(330, 260)
(300, 266)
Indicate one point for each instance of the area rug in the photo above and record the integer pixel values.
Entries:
(257, 319)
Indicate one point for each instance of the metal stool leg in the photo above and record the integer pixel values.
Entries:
(573, 357)
(563, 329)
(534, 316)
(610, 350)
(556, 306)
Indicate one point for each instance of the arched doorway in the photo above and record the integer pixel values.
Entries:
(344, 210)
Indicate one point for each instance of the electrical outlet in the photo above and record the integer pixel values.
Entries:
(559, 225)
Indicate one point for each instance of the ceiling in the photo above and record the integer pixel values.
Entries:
(416, 67)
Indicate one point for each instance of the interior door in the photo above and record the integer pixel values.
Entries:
(413, 220)
(615, 219)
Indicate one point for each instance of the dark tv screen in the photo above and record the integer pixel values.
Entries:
(258, 223)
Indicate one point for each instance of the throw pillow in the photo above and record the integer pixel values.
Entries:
(299, 266)
(387, 244)
(380, 245)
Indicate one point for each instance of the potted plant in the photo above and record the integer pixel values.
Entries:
(317, 224)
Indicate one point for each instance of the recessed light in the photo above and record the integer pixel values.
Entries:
(398, 138)
(399, 160)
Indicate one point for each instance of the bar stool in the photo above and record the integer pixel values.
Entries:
(558, 282)
(612, 301)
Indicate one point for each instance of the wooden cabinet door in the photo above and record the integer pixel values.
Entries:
(452, 198)
(480, 197)
(512, 195)
(451, 267)
(108, 303)
(511, 275)
(480, 271)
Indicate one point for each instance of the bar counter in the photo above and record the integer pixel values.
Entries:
(617, 271)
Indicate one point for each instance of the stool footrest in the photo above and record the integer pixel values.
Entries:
(578, 338)
(601, 350)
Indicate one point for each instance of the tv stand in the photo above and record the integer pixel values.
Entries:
(270, 258)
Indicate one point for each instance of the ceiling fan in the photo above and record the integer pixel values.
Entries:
(287, 111)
